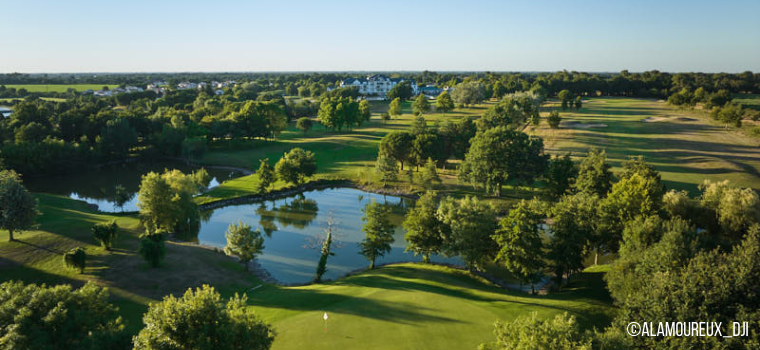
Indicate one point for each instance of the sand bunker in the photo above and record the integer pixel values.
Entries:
(579, 125)
(666, 119)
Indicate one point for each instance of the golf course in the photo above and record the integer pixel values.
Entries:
(422, 306)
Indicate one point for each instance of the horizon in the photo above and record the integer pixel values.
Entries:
(234, 36)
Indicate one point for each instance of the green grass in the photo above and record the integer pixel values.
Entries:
(413, 306)
(59, 87)
(686, 147)
(748, 100)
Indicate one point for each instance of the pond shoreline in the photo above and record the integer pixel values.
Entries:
(290, 191)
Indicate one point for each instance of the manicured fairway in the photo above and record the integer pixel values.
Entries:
(59, 87)
(411, 306)
(686, 147)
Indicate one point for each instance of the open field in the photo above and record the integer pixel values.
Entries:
(59, 87)
(748, 100)
(686, 147)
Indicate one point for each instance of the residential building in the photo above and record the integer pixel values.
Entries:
(376, 84)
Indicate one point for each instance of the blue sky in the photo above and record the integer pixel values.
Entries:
(167, 35)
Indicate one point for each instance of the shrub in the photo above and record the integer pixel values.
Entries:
(152, 248)
(105, 234)
(554, 119)
(75, 258)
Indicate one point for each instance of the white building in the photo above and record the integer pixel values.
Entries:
(376, 84)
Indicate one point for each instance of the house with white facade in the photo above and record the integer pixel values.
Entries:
(376, 84)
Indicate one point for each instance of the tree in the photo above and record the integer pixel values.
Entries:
(424, 234)
(730, 114)
(575, 219)
(106, 234)
(444, 103)
(121, 196)
(304, 124)
(560, 175)
(18, 208)
(531, 333)
(152, 248)
(296, 165)
(594, 175)
(201, 320)
(499, 154)
(326, 249)
(421, 105)
(378, 232)
(470, 223)
(469, 93)
(402, 90)
(429, 174)
(365, 112)
(166, 202)
(565, 97)
(578, 102)
(58, 317)
(385, 117)
(553, 119)
(397, 145)
(519, 241)
(76, 258)
(734, 208)
(387, 168)
(266, 175)
(394, 108)
(243, 242)
(637, 165)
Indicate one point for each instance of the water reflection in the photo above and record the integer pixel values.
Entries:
(291, 223)
(113, 188)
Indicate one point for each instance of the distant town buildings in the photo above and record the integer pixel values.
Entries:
(114, 91)
(376, 84)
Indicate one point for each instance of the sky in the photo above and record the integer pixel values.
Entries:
(215, 36)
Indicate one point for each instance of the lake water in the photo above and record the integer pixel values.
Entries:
(99, 186)
(290, 224)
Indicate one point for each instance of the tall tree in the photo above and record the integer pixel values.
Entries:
(500, 154)
(594, 175)
(560, 175)
(378, 232)
(106, 234)
(519, 240)
(424, 234)
(470, 224)
(397, 145)
(365, 112)
(387, 168)
(243, 242)
(394, 108)
(18, 208)
(444, 103)
(421, 105)
(266, 175)
(575, 218)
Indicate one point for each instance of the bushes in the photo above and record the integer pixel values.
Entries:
(105, 234)
(152, 248)
(553, 119)
(75, 258)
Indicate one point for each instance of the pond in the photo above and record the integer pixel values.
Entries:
(290, 226)
(99, 187)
